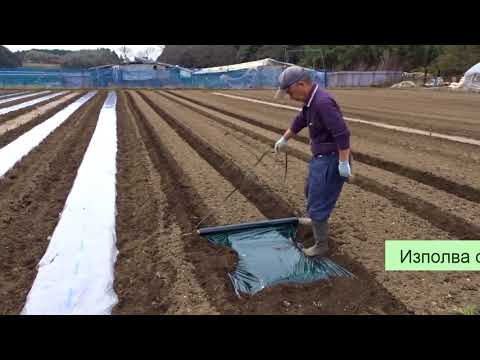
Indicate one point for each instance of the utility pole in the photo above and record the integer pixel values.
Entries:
(426, 62)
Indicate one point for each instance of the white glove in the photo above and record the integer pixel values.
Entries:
(344, 169)
(281, 145)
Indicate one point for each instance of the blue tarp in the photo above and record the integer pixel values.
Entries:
(44, 77)
(261, 77)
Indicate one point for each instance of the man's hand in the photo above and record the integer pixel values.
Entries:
(281, 145)
(344, 169)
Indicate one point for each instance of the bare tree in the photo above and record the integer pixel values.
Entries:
(149, 51)
(125, 52)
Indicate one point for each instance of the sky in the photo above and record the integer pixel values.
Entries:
(137, 49)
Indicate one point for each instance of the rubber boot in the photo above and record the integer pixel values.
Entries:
(320, 234)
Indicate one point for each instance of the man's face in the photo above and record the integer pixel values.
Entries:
(298, 91)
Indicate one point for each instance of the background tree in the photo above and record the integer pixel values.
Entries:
(8, 59)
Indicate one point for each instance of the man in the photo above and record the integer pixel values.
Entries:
(329, 167)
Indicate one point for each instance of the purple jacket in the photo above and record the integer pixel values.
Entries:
(328, 130)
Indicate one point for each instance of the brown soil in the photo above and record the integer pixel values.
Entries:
(32, 195)
(368, 295)
(20, 124)
(444, 112)
(426, 203)
(20, 101)
(360, 236)
(9, 92)
(180, 153)
(152, 275)
(394, 151)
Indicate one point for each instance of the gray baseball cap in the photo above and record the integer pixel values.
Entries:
(288, 77)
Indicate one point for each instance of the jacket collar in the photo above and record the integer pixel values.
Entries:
(312, 94)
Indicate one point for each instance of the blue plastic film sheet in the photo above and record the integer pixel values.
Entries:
(268, 255)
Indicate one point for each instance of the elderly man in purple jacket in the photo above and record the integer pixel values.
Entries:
(329, 167)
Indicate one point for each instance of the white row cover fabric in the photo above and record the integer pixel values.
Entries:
(17, 149)
(76, 273)
(475, 69)
(3, 101)
(472, 78)
(26, 104)
(245, 65)
(14, 94)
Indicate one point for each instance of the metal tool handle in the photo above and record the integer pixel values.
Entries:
(232, 192)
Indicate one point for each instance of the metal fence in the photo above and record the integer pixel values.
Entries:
(363, 78)
(265, 77)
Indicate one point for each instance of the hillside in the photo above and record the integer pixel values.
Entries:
(7, 58)
(447, 59)
(67, 59)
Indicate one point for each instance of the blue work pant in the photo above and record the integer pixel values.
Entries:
(323, 186)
